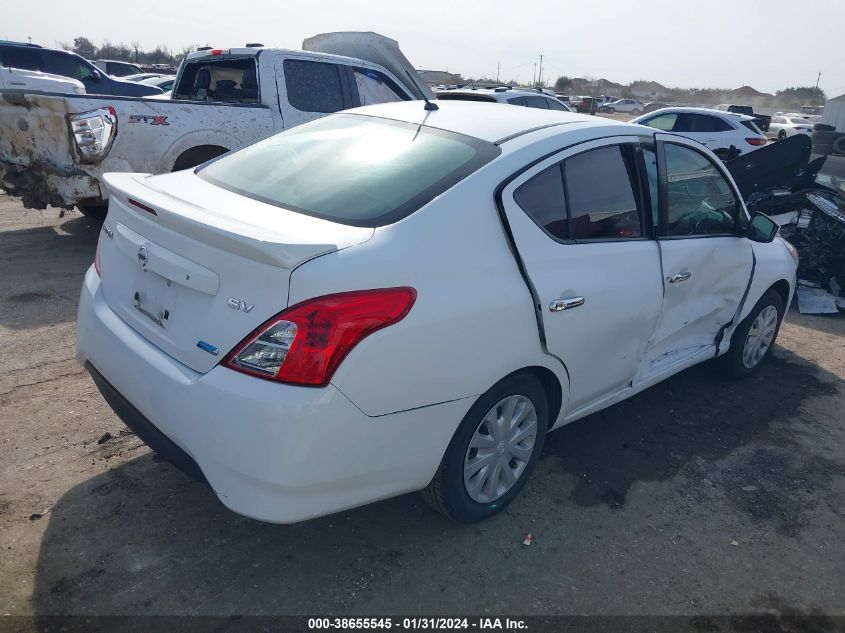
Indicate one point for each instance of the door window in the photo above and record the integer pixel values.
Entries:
(542, 198)
(313, 86)
(520, 101)
(663, 122)
(374, 87)
(23, 58)
(601, 186)
(67, 66)
(700, 201)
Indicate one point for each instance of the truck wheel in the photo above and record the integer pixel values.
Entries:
(493, 452)
(94, 211)
(753, 340)
(197, 156)
(839, 145)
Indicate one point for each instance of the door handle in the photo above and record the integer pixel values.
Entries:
(565, 304)
(679, 277)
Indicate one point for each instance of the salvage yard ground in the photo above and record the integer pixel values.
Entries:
(700, 496)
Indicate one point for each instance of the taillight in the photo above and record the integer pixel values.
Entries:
(93, 132)
(755, 141)
(306, 343)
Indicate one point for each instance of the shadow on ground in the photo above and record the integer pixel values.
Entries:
(46, 293)
(143, 539)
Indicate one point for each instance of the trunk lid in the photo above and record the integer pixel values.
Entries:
(194, 268)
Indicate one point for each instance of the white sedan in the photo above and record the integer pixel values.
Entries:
(727, 134)
(631, 106)
(788, 125)
(393, 299)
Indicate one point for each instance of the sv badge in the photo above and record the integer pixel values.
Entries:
(240, 304)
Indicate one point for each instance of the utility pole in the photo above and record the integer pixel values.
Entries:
(498, 68)
(534, 76)
(540, 78)
(817, 80)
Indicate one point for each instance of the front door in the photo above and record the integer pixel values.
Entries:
(707, 267)
(582, 226)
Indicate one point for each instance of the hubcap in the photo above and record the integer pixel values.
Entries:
(760, 337)
(500, 449)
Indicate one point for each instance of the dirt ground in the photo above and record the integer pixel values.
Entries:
(699, 497)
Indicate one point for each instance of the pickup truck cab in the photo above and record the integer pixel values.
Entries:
(761, 120)
(67, 64)
(223, 99)
(34, 81)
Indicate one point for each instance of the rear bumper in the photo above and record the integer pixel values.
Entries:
(270, 451)
(41, 186)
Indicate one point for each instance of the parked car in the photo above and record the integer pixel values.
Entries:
(623, 105)
(728, 135)
(241, 319)
(563, 97)
(788, 125)
(118, 68)
(655, 105)
(224, 99)
(67, 64)
(587, 105)
(165, 82)
(34, 81)
(506, 94)
(762, 120)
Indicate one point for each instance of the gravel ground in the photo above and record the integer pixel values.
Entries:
(699, 497)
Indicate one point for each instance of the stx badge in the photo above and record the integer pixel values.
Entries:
(148, 118)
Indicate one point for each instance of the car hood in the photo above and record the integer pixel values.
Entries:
(782, 165)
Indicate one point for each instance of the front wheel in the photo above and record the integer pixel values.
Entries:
(753, 340)
(493, 452)
(636, 111)
(611, 110)
(781, 135)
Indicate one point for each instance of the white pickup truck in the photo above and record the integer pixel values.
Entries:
(55, 149)
(14, 79)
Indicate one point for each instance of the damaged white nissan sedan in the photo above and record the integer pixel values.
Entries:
(401, 298)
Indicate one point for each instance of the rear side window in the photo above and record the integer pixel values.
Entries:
(543, 200)
(23, 58)
(351, 169)
(520, 101)
(313, 86)
(752, 126)
(700, 123)
(557, 105)
(600, 186)
(537, 102)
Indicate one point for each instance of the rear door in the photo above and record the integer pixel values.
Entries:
(310, 89)
(582, 226)
(707, 267)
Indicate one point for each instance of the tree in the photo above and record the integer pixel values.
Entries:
(801, 95)
(563, 84)
(84, 47)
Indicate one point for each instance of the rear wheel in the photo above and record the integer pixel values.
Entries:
(611, 110)
(781, 135)
(753, 340)
(636, 111)
(493, 452)
(94, 211)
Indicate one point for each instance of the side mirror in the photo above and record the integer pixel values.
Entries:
(762, 228)
(96, 76)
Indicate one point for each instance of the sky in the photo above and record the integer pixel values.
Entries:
(767, 44)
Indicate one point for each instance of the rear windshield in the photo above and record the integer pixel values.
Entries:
(227, 79)
(352, 169)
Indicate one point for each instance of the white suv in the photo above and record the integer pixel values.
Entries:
(727, 134)
(506, 94)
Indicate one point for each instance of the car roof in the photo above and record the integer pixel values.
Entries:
(487, 121)
(708, 111)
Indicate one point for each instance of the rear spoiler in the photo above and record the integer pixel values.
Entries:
(373, 48)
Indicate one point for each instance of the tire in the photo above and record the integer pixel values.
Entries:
(781, 135)
(611, 110)
(839, 145)
(94, 211)
(736, 363)
(823, 127)
(448, 492)
(636, 111)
